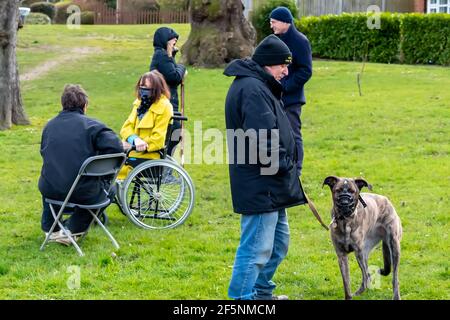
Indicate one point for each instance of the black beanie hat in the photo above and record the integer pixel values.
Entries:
(272, 51)
(282, 14)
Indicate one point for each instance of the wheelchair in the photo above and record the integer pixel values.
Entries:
(157, 193)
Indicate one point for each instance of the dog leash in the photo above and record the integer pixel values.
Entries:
(313, 209)
(182, 125)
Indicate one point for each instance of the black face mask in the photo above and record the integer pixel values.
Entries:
(147, 98)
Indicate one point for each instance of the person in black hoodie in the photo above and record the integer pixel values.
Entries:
(163, 60)
(263, 176)
(67, 141)
(300, 71)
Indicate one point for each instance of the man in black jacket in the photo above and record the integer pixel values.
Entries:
(67, 141)
(163, 60)
(300, 71)
(263, 176)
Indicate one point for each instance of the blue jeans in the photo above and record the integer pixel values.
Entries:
(264, 244)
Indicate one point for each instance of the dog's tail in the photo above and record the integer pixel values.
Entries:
(387, 260)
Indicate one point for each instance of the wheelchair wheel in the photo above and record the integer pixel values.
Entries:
(158, 194)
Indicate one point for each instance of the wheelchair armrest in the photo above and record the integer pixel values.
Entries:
(133, 148)
(181, 118)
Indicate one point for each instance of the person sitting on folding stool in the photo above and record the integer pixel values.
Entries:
(67, 141)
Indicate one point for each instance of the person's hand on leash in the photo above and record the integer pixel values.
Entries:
(140, 144)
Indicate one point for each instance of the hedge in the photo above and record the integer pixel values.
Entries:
(87, 17)
(347, 37)
(47, 8)
(37, 18)
(426, 39)
(61, 12)
(403, 38)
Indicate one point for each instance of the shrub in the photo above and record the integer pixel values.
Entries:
(37, 18)
(405, 38)
(426, 39)
(62, 15)
(347, 37)
(45, 8)
(111, 3)
(87, 17)
(260, 16)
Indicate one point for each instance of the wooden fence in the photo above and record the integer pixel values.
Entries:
(105, 15)
(321, 7)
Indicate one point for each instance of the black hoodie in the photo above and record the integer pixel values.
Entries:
(254, 103)
(172, 72)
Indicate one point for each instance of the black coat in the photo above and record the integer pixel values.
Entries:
(67, 141)
(254, 102)
(173, 73)
(300, 70)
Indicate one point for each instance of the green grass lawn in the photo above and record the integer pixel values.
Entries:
(396, 136)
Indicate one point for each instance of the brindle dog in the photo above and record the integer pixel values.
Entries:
(359, 222)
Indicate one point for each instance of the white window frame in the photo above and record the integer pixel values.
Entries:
(434, 6)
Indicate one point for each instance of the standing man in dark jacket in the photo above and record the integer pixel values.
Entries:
(300, 71)
(163, 60)
(67, 141)
(263, 175)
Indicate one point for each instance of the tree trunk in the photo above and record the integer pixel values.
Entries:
(219, 33)
(11, 110)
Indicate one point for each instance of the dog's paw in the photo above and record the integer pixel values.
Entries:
(384, 272)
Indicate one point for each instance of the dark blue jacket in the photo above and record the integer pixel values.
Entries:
(300, 70)
(254, 103)
(67, 141)
(173, 73)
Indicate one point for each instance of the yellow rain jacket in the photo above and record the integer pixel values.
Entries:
(152, 128)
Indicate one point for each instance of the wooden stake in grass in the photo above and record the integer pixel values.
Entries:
(359, 78)
(360, 74)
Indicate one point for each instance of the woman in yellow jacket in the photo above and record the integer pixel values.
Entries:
(146, 126)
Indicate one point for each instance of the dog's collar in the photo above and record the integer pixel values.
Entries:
(362, 201)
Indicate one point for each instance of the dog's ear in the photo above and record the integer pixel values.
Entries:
(330, 181)
(361, 183)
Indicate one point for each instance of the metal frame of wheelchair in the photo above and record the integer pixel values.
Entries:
(157, 193)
